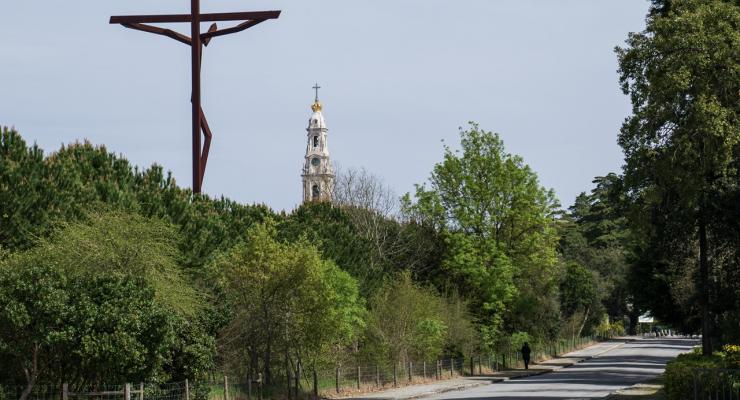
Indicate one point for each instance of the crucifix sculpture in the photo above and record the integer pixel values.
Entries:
(196, 41)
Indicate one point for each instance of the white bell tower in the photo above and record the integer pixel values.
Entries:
(318, 173)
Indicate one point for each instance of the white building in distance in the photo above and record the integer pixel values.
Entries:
(318, 173)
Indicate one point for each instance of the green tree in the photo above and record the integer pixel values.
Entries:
(681, 142)
(80, 331)
(499, 233)
(595, 234)
(406, 321)
(331, 229)
(287, 301)
(23, 213)
(101, 300)
(579, 299)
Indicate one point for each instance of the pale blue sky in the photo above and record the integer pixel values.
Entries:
(397, 76)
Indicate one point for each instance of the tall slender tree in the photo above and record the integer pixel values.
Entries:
(681, 142)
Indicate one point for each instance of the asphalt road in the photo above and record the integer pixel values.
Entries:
(623, 366)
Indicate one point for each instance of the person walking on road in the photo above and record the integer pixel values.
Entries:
(526, 351)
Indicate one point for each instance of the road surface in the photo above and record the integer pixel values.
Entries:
(620, 367)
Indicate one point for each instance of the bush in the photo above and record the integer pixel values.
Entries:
(679, 374)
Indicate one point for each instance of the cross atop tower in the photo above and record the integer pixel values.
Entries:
(316, 87)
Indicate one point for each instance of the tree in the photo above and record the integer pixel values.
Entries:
(99, 301)
(286, 299)
(579, 299)
(23, 214)
(411, 321)
(80, 331)
(499, 232)
(681, 141)
(358, 188)
(595, 234)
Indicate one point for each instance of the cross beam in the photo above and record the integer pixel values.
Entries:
(196, 41)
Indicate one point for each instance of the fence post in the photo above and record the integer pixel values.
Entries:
(424, 369)
(377, 375)
(65, 391)
(141, 390)
(452, 367)
(315, 385)
(395, 376)
(358, 377)
(480, 365)
(127, 391)
(249, 385)
(226, 387)
(411, 371)
(187, 390)
(337, 379)
(472, 371)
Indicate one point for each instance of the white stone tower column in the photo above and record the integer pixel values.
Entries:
(318, 173)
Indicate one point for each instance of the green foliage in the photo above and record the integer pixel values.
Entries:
(21, 175)
(122, 244)
(101, 301)
(284, 296)
(91, 329)
(577, 290)
(680, 375)
(681, 146)
(498, 227)
(330, 229)
(517, 340)
(408, 321)
(595, 234)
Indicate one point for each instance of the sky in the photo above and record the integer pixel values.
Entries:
(399, 78)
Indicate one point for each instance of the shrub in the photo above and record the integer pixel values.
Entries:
(731, 356)
(679, 374)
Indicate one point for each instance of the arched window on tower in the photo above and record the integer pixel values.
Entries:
(315, 191)
(316, 141)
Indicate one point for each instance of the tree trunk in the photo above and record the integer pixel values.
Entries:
(634, 316)
(583, 324)
(706, 341)
(32, 374)
(268, 356)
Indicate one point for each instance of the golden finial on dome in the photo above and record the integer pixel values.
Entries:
(316, 106)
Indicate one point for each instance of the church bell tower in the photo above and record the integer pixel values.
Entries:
(318, 173)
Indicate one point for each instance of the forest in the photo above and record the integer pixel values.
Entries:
(115, 274)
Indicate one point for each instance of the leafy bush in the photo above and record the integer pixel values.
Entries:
(679, 373)
(731, 355)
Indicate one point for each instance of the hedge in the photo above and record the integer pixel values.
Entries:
(679, 373)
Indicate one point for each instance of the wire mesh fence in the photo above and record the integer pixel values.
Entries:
(716, 384)
(340, 379)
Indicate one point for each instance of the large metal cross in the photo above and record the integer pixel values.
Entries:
(196, 42)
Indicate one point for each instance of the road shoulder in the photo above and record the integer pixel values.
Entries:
(467, 382)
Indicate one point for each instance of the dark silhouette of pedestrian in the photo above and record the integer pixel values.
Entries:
(525, 354)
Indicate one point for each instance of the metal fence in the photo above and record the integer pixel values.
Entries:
(342, 379)
(716, 384)
(141, 391)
